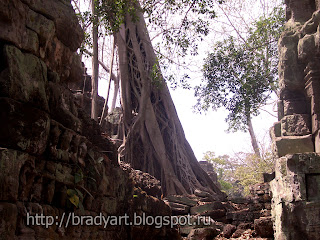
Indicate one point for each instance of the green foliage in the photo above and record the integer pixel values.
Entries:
(110, 15)
(252, 168)
(75, 197)
(112, 12)
(224, 169)
(237, 174)
(156, 76)
(241, 76)
(180, 26)
(225, 186)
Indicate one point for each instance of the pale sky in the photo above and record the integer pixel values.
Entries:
(207, 132)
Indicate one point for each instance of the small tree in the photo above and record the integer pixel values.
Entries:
(236, 174)
(241, 76)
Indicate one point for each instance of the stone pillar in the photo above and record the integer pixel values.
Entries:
(296, 136)
(296, 197)
(297, 128)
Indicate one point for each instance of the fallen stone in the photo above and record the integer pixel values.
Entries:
(238, 233)
(264, 227)
(200, 193)
(206, 207)
(203, 233)
(179, 209)
(215, 214)
(182, 199)
(228, 230)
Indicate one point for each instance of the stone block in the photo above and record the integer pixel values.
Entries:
(59, 58)
(295, 106)
(76, 70)
(179, 209)
(12, 22)
(25, 128)
(313, 187)
(24, 79)
(295, 213)
(315, 104)
(306, 47)
(62, 107)
(294, 144)
(264, 227)
(11, 163)
(203, 233)
(31, 42)
(290, 70)
(43, 27)
(66, 22)
(207, 207)
(276, 129)
(280, 106)
(182, 199)
(228, 230)
(8, 220)
(296, 125)
(312, 88)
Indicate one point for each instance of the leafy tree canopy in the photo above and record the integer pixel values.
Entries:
(240, 76)
(236, 174)
(176, 26)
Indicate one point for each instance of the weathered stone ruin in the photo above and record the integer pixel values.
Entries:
(53, 158)
(296, 201)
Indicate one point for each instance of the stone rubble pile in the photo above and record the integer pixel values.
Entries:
(212, 219)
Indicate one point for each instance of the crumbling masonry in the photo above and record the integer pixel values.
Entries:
(53, 159)
(296, 137)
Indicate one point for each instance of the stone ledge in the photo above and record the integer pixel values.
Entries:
(294, 144)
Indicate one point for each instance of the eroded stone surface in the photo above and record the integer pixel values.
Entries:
(295, 209)
(26, 128)
(25, 78)
(296, 125)
(53, 158)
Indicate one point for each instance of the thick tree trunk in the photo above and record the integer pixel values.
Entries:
(254, 142)
(95, 64)
(154, 140)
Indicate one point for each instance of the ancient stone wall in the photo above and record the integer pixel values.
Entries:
(53, 158)
(296, 197)
(296, 203)
(298, 109)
